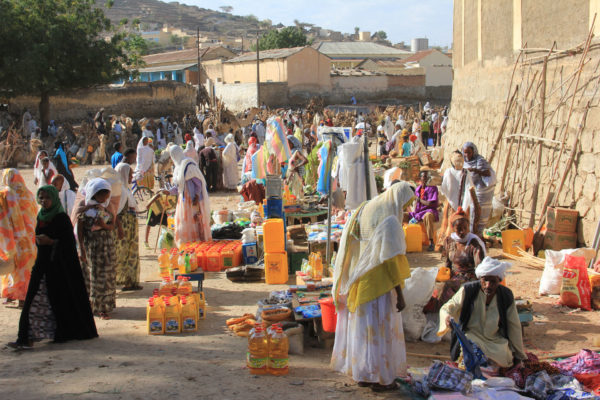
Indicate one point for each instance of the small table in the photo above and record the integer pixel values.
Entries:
(313, 215)
(197, 276)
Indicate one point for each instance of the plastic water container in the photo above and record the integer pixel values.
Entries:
(328, 314)
(250, 252)
(430, 142)
(276, 268)
(414, 238)
(274, 208)
(513, 239)
(274, 237)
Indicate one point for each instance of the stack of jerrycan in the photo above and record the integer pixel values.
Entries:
(276, 262)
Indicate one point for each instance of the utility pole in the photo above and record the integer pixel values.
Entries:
(257, 72)
(198, 50)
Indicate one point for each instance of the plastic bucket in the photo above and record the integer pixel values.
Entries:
(430, 142)
(511, 239)
(328, 314)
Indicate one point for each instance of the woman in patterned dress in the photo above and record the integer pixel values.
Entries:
(128, 257)
(97, 246)
(57, 305)
(17, 236)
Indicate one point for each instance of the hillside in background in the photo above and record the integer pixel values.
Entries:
(153, 14)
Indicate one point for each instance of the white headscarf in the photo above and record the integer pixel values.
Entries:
(37, 168)
(229, 138)
(94, 186)
(492, 267)
(198, 138)
(190, 151)
(127, 198)
(66, 195)
(145, 157)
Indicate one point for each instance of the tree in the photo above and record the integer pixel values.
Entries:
(381, 35)
(356, 30)
(290, 36)
(53, 45)
(226, 9)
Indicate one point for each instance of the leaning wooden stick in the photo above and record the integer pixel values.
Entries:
(162, 215)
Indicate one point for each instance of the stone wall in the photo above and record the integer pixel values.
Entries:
(136, 100)
(480, 92)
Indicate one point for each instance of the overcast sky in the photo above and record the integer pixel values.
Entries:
(402, 20)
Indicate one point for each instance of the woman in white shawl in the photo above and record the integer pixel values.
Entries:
(144, 170)
(230, 163)
(128, 257)
(42, 172)
(484, 181)
(190, 151)
(369, 275)
(192, 215)
(66, 195)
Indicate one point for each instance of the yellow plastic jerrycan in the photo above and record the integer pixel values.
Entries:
(414, 238)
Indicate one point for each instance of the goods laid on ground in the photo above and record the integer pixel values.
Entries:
(175, 308)
(268, 351)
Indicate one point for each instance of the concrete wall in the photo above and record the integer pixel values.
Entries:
(238, 96)
(214, 70)
(438, 69)
(309, 69)
(271, 70)
(497, 37)
(135, 100)
(565, 22)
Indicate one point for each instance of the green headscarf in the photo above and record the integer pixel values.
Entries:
(47, 215)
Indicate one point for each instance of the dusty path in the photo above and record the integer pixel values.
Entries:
(126, 363)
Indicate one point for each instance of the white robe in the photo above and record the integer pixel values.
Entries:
(145, 159)
(67, 197)
(230, 170)
(352, 174)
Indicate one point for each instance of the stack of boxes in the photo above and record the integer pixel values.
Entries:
(561, 229)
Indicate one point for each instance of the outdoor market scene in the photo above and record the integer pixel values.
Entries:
(418, 240)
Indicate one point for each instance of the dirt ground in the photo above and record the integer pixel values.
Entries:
(126, 363)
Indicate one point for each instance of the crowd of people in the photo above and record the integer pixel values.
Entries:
(80, 242)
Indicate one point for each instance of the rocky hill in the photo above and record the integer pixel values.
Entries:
(153, 14)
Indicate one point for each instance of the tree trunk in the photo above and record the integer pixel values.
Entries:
(44, 109)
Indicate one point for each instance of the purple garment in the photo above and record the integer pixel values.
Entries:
(430, 194)
(584, 362)
(193, 187)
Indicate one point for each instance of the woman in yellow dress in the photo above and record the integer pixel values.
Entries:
(369, 275)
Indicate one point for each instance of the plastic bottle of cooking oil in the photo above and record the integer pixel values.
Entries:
(189, 315)
(278, 352)
(164, 263)
(165, 287)
(172, 315)
(258, 352)
(155, 318)
(317, 269)
(185, 286)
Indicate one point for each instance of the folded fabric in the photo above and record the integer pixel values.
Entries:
(585, 362)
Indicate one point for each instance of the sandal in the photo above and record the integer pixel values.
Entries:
(19, 346)
(104, 316)
(365, 384)
(384, 388)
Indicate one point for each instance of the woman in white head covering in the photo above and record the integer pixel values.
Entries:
(43, 169)
(230, 160)
(190, 151)
(144, 170)
(95, 226)
(370, 270)
(66, 195)
(483, 177)
(192, 215)
(128, 257)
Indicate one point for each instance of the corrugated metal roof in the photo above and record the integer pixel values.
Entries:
(351, 48)
(267, 54)
(179, 55)
(418, 56)
(177, 67)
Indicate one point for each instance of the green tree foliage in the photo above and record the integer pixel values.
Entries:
(290, 36)
(54, 45)
(381, 35)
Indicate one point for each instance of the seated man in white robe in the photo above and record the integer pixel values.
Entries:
(486, 312)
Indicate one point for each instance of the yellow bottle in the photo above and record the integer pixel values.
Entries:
(155, 318)
(172, 316)
(163, 263)
(201, 303)
(185, 286)
(258, 352)
(278, 352)
(317, 270)
(166, 287)
(189, 315)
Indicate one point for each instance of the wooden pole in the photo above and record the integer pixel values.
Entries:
(162, 215)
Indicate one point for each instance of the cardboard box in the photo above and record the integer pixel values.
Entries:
(562, 219)
(556, 240)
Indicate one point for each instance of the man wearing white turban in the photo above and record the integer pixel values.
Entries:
(486, 311)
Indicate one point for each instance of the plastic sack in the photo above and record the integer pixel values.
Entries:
(442, 376)
(166, 239)
(553, 269)
(575, 291)
(417, 292)
(430, 330)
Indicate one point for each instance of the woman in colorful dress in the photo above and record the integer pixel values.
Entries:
(96, 245)
(128, 257)
(192, 214)
(484, 180)
(17, 236)
(57, 305)
(369, 275)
